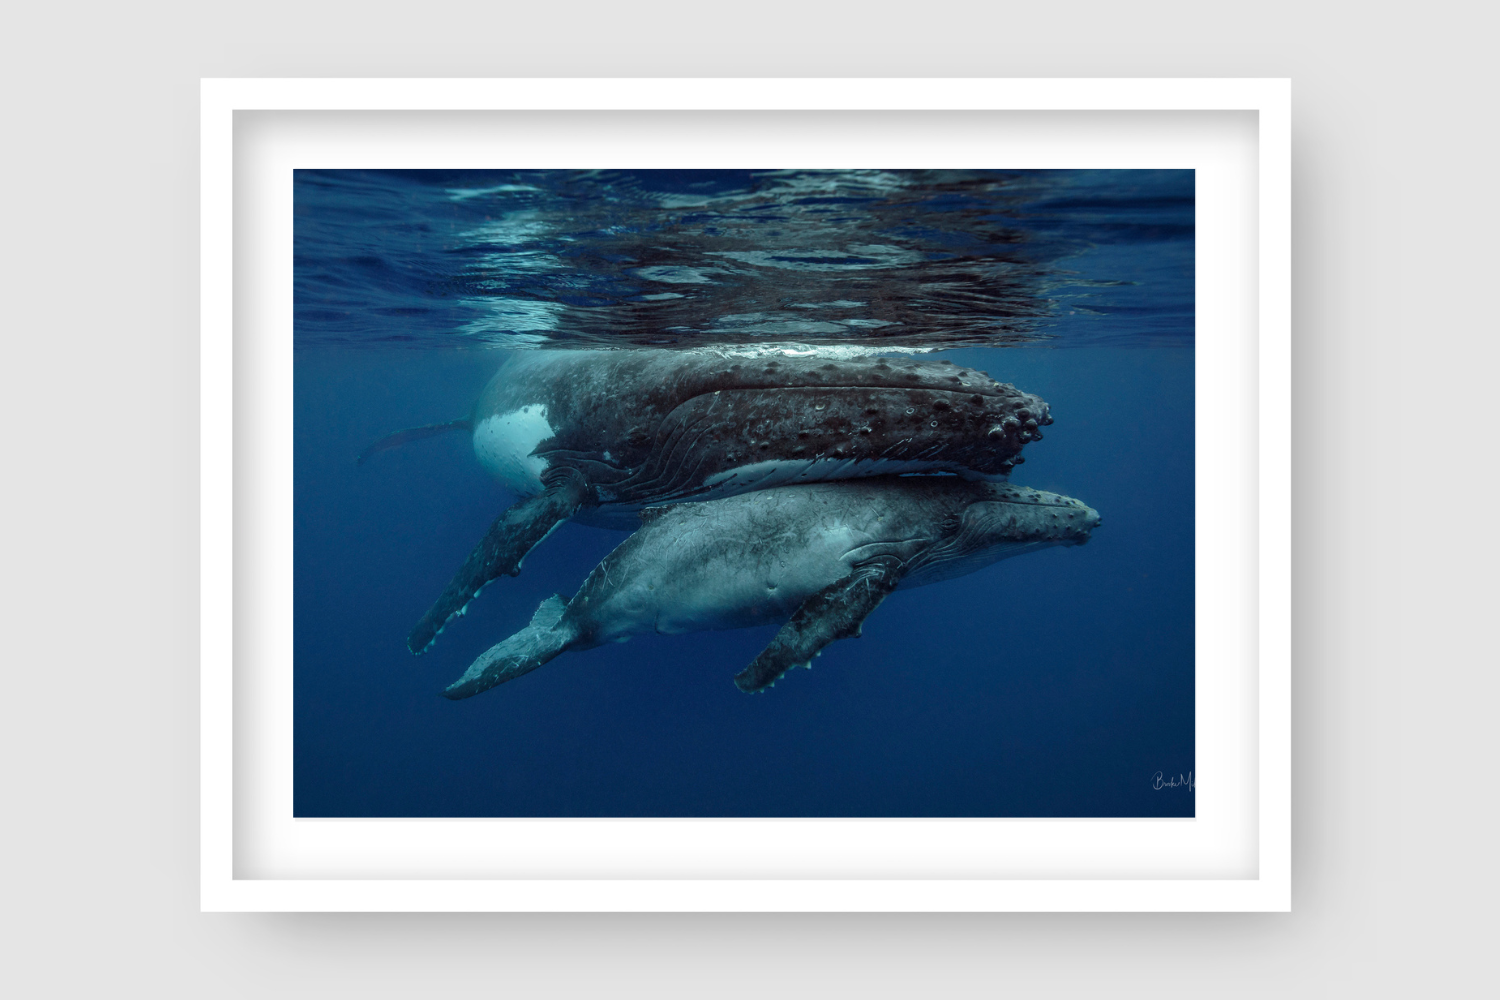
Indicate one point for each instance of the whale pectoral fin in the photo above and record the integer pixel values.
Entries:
(515, 533)
(413, 434)
(835, 612)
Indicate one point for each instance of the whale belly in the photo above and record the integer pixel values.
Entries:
(504, 443)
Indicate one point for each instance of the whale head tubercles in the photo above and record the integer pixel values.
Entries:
(1011, 514)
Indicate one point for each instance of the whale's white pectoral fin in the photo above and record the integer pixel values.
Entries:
(522, 653)
(515, 533)
(836, 612)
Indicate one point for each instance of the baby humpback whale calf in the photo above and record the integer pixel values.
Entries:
(819, 557)
(599, 435)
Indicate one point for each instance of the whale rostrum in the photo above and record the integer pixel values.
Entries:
(599, 435)
(818, 557)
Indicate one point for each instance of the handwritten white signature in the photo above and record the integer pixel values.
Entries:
(1158, 782)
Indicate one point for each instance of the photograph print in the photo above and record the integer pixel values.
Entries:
(752, 493)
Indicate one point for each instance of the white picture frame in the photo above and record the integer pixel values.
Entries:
(1235, 855)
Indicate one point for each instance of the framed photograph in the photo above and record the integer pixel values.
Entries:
(835, 495)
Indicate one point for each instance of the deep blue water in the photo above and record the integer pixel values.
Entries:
(1054, 684)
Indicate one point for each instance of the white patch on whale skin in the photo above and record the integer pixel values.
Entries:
(504, 443)
(779, 472)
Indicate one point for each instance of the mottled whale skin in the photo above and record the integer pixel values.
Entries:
(598, 435)
(818, 557)
(650, 427)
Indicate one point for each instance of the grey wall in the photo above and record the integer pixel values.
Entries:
(1394, 689)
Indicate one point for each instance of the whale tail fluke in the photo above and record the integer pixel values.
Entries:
(522, 653)
(412, 434)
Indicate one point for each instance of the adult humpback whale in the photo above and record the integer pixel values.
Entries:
(823, 556)
(601, 434)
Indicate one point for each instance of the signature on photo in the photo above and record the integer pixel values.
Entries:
(1159, 782)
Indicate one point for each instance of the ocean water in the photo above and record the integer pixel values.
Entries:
(1058, 683)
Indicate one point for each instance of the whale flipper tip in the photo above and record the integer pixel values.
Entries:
(519, 529)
